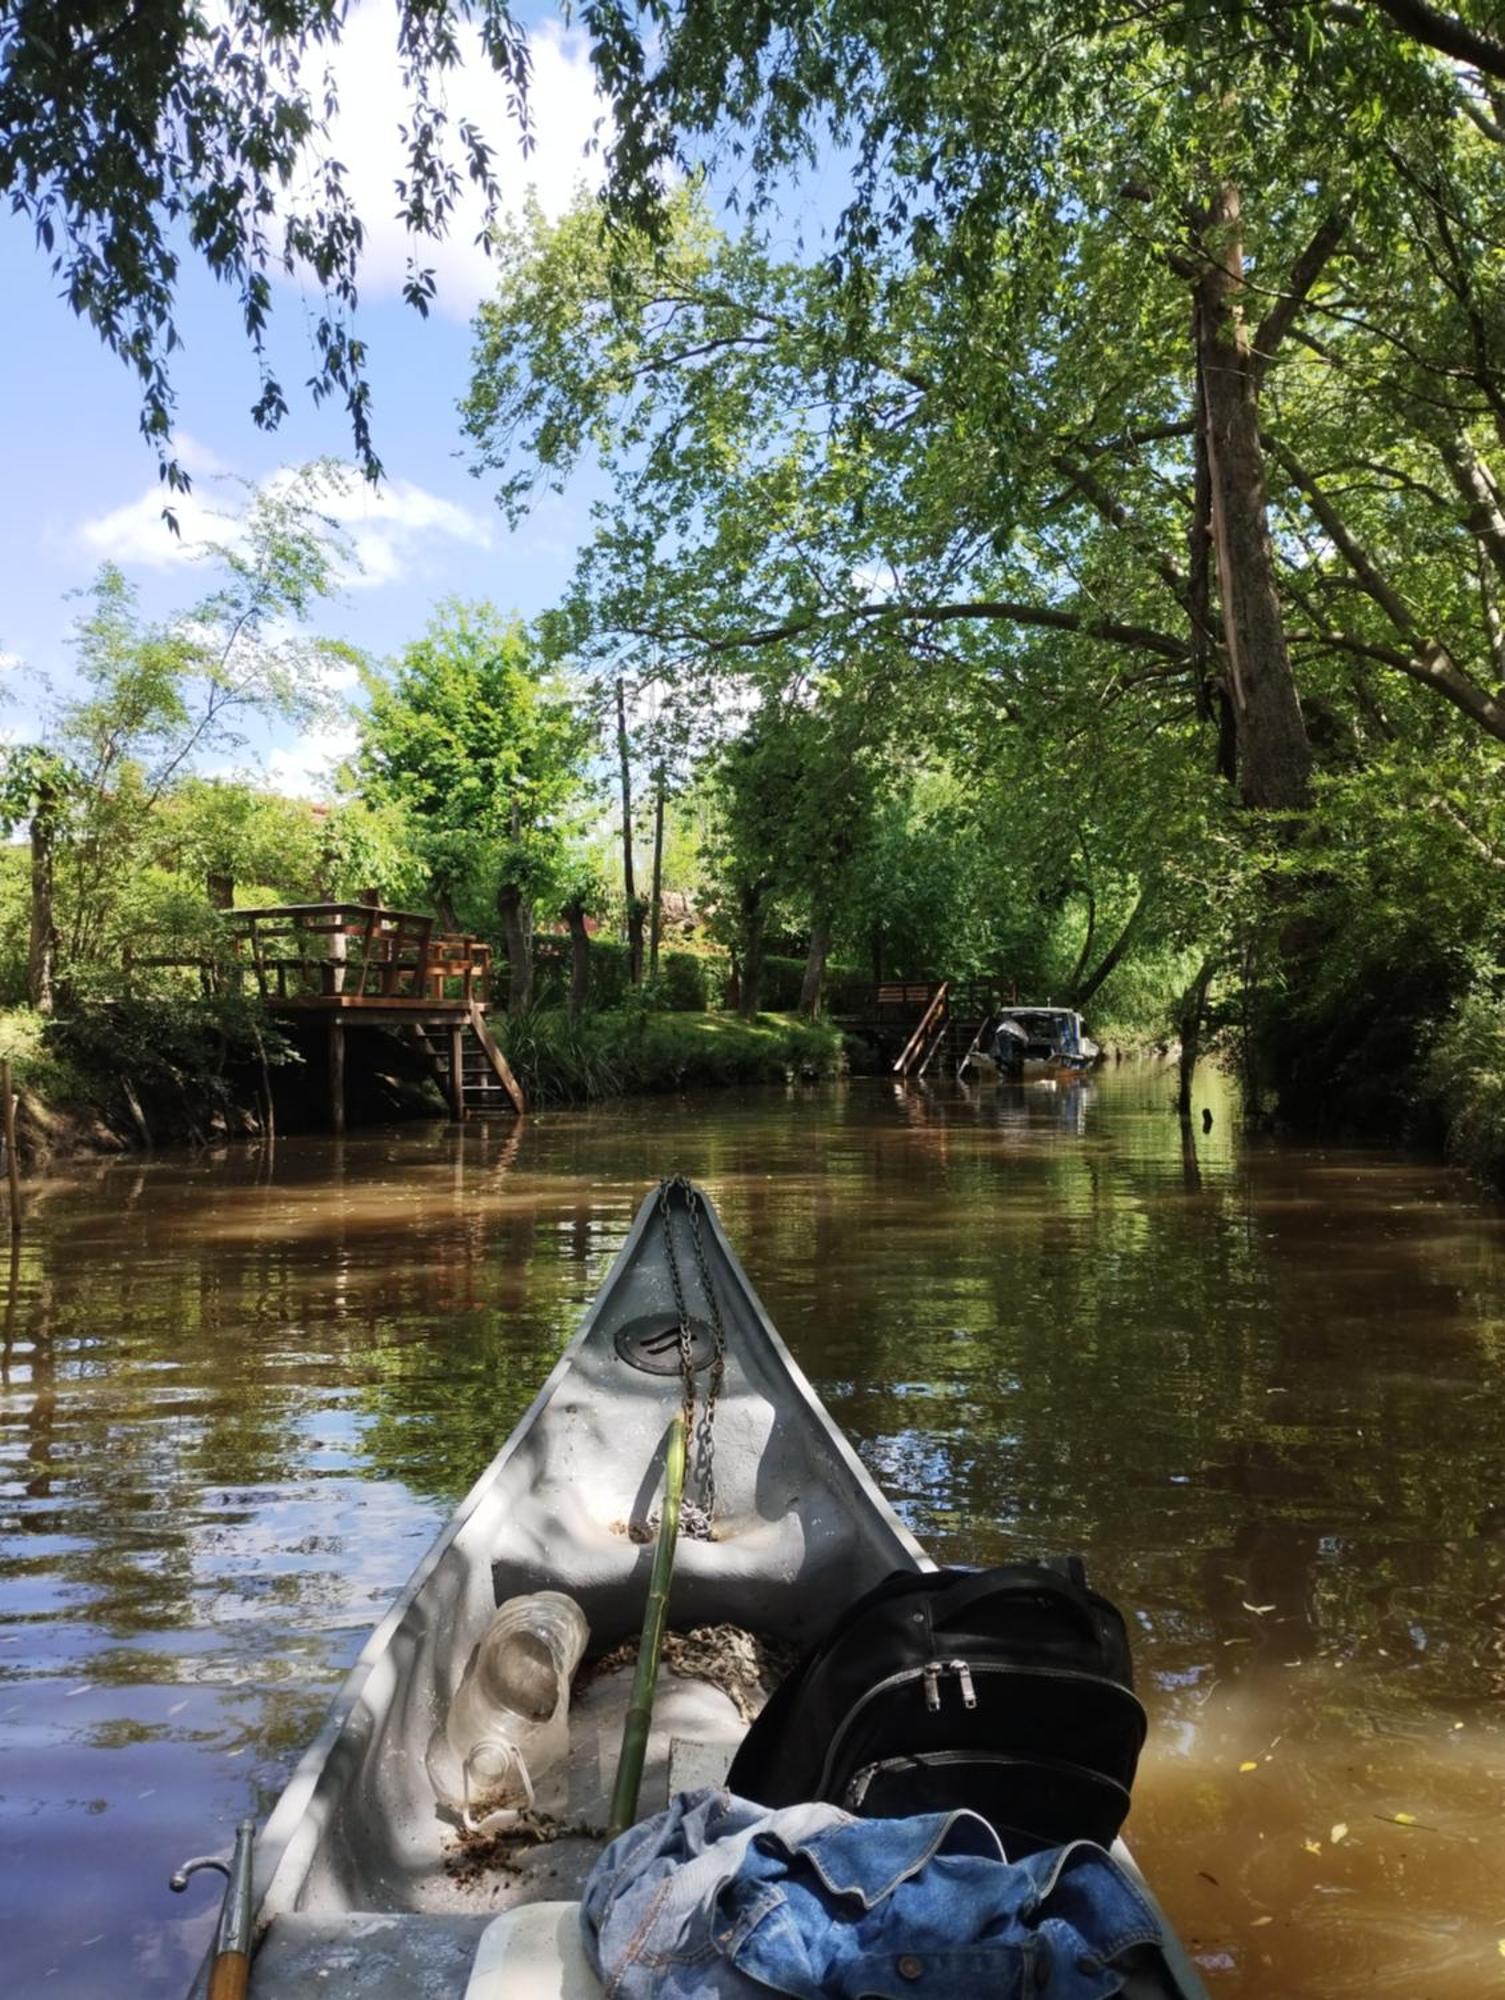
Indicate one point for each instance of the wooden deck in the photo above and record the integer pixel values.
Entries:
(382, 967)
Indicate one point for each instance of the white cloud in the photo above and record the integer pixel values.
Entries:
(389, 526)
(196, 457)
(137, 533)
(305, 768)
(366, 138)
(10, 661)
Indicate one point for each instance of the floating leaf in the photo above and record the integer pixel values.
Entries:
(1312, 1846)
(1270, 1920)
(1250, 1765)
(1404, 1819)
(1339, 1832)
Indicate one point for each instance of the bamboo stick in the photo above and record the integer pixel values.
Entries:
(624, 1797)
(12, 1164)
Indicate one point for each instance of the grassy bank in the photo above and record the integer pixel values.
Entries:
(168, 1072)
(628, 1050)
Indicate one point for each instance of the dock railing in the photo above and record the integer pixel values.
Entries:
(930, 1024)
(308, 952)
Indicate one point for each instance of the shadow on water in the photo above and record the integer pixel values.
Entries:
(1258, 1386)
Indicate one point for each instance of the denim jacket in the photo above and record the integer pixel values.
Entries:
(719, 1897)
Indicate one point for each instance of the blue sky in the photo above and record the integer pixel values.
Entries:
(82, 486)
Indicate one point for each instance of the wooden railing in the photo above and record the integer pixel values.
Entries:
(307, 951)
(930, 1022)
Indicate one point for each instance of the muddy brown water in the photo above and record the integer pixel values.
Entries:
(1260, 1389)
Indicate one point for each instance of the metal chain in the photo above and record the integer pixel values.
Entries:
(705, 1442)
(703, 1434)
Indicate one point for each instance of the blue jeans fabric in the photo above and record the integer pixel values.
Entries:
(720, 1897)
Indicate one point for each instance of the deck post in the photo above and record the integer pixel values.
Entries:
(337, 1076)
(457, 1075)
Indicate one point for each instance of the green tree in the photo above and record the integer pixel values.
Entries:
(1058, 371)
(484, 751)
(131, 138)
(154, 698)
(796, 792)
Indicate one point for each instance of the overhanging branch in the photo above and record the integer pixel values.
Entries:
(1140, 638)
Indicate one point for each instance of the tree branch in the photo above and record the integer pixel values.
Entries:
(1426, 659)
(1455, 38)
(1336, 528)
(1140, 638)
(1305, 272)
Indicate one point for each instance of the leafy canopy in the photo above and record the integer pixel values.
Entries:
(480, 747)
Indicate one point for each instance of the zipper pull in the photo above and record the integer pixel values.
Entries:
(857, 1790)
(932, 1679)
(964, 1674)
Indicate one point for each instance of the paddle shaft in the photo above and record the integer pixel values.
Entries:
(230, 1977)
(230, 1974)
(624, 1797)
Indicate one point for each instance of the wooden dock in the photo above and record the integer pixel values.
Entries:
(361, 963)
(916, 1023)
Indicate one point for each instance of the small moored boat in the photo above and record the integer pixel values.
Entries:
(362, 1883)
(1039, 1041)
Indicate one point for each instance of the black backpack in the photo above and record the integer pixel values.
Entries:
(1009, 1691)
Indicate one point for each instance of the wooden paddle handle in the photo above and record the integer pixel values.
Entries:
(230, 1976)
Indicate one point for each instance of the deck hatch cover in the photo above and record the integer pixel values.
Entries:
(651, 1343)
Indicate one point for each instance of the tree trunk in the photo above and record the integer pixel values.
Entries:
(637, 912)
(1189, 1026)
(42, 959)
(220, 889)
(656, 902)
(1214, 697)
(754, 916)
(1084, 956)
(580, 957)
(634, 907)
(517, 930)
(1274, 755)
(1108, 963)
(815, 965)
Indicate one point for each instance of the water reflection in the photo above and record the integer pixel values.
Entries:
(1259, 1387)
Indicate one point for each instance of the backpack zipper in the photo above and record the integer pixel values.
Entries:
(930, 1676)
(861, 1784)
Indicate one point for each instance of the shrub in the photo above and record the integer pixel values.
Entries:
(685, 984)
(560, 1061)
(1462, 1086)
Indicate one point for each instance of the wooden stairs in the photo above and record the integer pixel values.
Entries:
(469, 1067)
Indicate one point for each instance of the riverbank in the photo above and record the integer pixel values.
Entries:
(127, 1075)
(133, 1074)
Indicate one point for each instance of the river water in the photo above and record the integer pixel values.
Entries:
(1260, 1389)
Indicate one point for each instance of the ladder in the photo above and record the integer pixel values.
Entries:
(474, 1074)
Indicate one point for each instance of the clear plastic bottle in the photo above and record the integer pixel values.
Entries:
(508, 1724)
